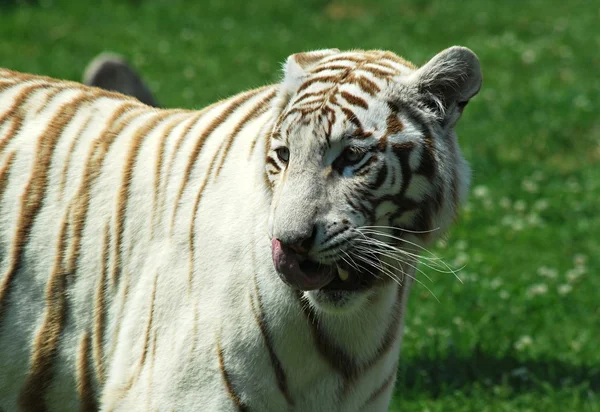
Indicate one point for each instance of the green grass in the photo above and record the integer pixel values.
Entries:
(522, 331)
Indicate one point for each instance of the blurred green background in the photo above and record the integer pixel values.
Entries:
(522, 329)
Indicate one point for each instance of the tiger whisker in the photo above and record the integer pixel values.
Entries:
(402, 229)
(439, 269)
(436, 258)
(397, 259)
(391, 275)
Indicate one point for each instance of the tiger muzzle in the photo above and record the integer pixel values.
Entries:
(297, 271)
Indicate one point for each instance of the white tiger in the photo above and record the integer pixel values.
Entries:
(253, 256)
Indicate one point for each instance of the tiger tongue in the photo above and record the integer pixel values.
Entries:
(287, 265)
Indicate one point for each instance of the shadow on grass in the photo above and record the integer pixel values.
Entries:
(6, 4)
(439, 376)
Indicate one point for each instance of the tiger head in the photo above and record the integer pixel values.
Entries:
(363, 167)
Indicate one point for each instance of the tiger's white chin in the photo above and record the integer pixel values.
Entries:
(338, 302)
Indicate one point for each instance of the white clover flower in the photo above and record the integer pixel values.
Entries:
(541, 204)
(504, 295)
(574, 274)
(520, 205)
(461, 259)
(529, 186)
(496, 283)
(461, 244)
(442, 243)
(481, 191)
(575, 345)
(547, 272)
(565, 289)
(536, 290)
(528, 56)
(523, 343)
(518, 225)
(579, 259)
(534, 220)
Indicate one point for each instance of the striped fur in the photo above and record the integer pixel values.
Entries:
(136, 268)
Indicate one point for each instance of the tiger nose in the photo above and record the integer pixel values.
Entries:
(299, 243)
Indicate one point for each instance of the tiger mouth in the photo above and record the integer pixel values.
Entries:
(343, 276)
(305, 274)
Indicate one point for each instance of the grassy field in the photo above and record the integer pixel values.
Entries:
(522, 329)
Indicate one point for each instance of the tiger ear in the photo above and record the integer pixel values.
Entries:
(295, 71)
(448, 81)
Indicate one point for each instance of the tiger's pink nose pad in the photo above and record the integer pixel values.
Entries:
(285, 260)
(287, 265)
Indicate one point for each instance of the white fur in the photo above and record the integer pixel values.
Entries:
(188, 320)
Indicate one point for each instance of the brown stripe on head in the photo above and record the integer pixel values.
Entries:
(398, 59)
(355, 100)
(307, 59)
(351, 116)
(427, 167)
(394, 125)
(318, 79)
(333, 67)
(382, 74)
(367, 85)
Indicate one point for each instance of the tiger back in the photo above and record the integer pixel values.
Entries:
(256, 255)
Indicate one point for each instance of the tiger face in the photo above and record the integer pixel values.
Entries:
(364, 168)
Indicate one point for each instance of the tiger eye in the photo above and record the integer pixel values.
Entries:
(283, 153)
